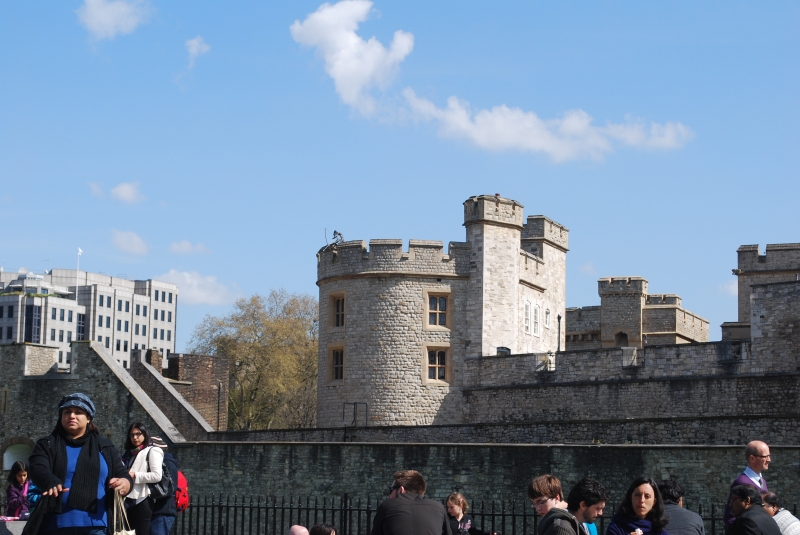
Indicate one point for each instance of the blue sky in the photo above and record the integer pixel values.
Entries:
(212, 144)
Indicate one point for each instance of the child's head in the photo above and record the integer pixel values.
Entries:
(456, 504)
(18, 473)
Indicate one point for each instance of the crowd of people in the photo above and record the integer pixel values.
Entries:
(78, 474)
(74, 474)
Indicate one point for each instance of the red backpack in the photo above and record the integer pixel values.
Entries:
(181, 493)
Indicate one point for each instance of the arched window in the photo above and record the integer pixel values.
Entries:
(621, 340)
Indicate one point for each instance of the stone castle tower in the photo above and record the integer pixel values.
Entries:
(397, 326)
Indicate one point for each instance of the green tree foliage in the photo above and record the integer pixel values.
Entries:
(271, 344)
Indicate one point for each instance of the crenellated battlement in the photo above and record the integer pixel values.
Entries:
(777, 257)
(492, 209)
(663, 299)
(622, 285)
(540, 228)
(425, 257)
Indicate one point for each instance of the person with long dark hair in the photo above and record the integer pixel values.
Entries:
(17, 492)
(78, 467)
(641, 511)
(144, 465)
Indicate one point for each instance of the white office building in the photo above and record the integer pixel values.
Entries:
(122, 314)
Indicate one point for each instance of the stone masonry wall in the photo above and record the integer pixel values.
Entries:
(621, 302)
(477, 470)
(203, 381)
(779, 263)
(776, 325)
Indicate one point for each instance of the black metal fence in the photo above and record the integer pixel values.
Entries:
(236, 515)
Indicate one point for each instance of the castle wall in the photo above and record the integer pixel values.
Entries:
(621, 303)
(779, 263)
(776, 325)
(203, 381)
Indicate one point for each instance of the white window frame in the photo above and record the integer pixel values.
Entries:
(527, 320)
(536, 318)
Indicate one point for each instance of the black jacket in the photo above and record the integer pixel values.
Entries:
(43, 458)
(411, 514)
(465, 521)
(755, 521)
(166, 505)
(560, 522)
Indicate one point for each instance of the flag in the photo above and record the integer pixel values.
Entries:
(79, 251)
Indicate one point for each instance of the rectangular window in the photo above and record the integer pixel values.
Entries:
(156, 295)
(163, 296)
(69, 337)
(144, 330)
(162, 315)
(338, 312)
(125, 346)
(118, 344)
(137, 309)
(135, 346)
(61, 315)
(53, 335)
(99, 338)
(81, 330)
(155, 313)
(437, 310)
(144, 310)
(9, 333)
(108, 301)
(126, 326)
(169, 336)
(119, 305)
(108, 342)
(536, 320)
(169, 316)
(136, 329)
(69, 357)
(119, 325)
(337, 364)
(162, 334)
(52, 316)
(60, 357)
(170, 297)
(99, 321)
(167, 353)
(99, 300)
(33, 322)
(127, 306)
(527, 317)
(108, 322)
(2, 309)
(155, 334)
(69, 316)
(61, 336)
(10, 311)
(437, 364)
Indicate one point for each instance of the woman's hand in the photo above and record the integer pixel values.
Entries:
(55, 490)
(120, 484)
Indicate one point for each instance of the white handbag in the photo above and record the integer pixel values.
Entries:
(121, 525)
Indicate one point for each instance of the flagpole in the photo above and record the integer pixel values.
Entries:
(77, 274)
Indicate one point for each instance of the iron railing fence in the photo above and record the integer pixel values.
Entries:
(352, 515)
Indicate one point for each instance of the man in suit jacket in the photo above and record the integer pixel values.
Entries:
(407, 511)
(681, 521)
(758, 458)
(751, 518)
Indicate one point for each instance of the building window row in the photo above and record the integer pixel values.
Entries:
(156, 333)
(10, 309)
(107, 300)
(60, 312)
(163, 296)
(9, 333)
(141, 310)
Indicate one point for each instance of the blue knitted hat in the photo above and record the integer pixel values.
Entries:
(79, 400)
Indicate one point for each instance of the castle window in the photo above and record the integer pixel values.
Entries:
(437, 310)
(437, 362)
(536, 330)
(335, 368)
(527, 317)
(338, 312)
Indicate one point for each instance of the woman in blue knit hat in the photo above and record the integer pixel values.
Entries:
(79, 469)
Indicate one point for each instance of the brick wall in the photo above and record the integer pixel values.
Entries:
(203, 381)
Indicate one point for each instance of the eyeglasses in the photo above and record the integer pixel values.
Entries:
(136, 435)
(763, 456)
(540, 502)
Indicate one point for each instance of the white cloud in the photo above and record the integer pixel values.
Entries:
(97, 189)
(730, 288)
(186, 247)
(588, 268)
(129, 242)
(570, 137)
(197, 289)
(106, 18)
(127, 192)
(196, 48)
(355, 65)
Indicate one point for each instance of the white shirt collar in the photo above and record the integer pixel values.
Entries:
(756, 477)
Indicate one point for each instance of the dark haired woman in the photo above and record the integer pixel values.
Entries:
(77, 466)
(641, 511)
(144, 466)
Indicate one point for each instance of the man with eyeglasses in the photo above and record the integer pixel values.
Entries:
(406, 510)
(758, 458)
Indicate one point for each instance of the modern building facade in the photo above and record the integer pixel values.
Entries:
(123, 315)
